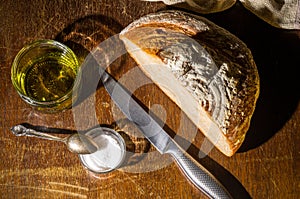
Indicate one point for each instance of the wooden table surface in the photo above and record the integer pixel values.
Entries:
(266, 166)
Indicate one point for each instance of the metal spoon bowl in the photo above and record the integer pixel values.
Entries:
(76, 143)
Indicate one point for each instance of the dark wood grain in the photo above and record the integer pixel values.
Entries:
(267, 165)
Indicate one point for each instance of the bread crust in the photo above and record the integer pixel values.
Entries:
(220, 63)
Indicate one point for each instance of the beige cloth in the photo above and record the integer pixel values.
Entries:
(201, 6)
(211, 6)
(279, 13)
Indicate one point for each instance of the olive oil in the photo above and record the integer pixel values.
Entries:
(48, 79)
(45, 75)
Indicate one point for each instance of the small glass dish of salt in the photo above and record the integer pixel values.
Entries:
(110, 154)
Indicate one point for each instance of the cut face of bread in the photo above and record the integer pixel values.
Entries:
(208, 72)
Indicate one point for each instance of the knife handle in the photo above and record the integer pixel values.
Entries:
(197, 174)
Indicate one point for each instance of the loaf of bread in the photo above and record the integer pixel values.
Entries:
(208, 72)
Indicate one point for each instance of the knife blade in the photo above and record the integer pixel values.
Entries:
(158, 137)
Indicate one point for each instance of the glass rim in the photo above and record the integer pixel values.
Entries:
(122, 143)
(33, 45)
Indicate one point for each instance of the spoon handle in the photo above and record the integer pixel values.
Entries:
(20, 130)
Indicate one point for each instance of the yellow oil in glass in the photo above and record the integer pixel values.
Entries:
(45, 75)
(48, 78)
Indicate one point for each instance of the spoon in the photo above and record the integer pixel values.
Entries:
(76, 143)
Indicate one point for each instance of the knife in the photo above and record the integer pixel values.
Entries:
(158, 137)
